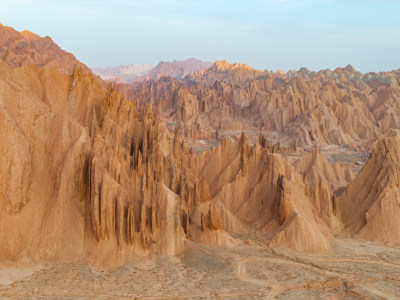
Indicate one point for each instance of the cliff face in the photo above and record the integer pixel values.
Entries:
(44, 121)
(84, 172)
(133, 201)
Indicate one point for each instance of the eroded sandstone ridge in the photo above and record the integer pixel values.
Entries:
(26, 48)
(309, 109)
(87, 173)
(371, 202)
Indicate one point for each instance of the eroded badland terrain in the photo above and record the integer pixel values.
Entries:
(229, 182)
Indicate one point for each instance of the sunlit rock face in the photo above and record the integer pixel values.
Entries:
(342, 107)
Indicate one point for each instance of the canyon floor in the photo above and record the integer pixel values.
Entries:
(249, 270)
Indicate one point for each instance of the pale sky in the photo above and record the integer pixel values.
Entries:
(265, 34)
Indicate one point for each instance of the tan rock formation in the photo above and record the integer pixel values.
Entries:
(211, 221)
(370, 204)
(84, 172)
(315, 168)
(342, 107)
(269, 195)
(205, 193)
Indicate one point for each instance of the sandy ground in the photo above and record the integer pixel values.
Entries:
(356, 270)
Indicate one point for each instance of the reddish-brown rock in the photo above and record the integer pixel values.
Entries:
(26, 48)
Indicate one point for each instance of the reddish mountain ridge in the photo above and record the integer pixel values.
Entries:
(26, 48)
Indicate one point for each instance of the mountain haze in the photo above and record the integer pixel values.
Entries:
(178, 69)
(130, 73)
(127, 73)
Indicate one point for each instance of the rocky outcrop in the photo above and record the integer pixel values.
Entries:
(114, 178)
(211, 221)
(226, 72)
(254, 186)
(370, 203)
(315, 168)
(205, 193)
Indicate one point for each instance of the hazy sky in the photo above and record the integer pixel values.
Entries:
(266, 34)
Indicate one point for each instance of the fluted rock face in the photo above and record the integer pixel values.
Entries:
(370, 204)
(83, 172)
(44, 136)
(128, 176)
(251, 185)
(211, 221)
(342, 107)
(280, 205)
(205, 193)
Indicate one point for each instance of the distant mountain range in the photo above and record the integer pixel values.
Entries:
(179, 69)
(135, 72)
(127, 73)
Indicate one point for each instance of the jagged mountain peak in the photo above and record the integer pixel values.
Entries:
(223, 65)
(29, 35)
(26, 48)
